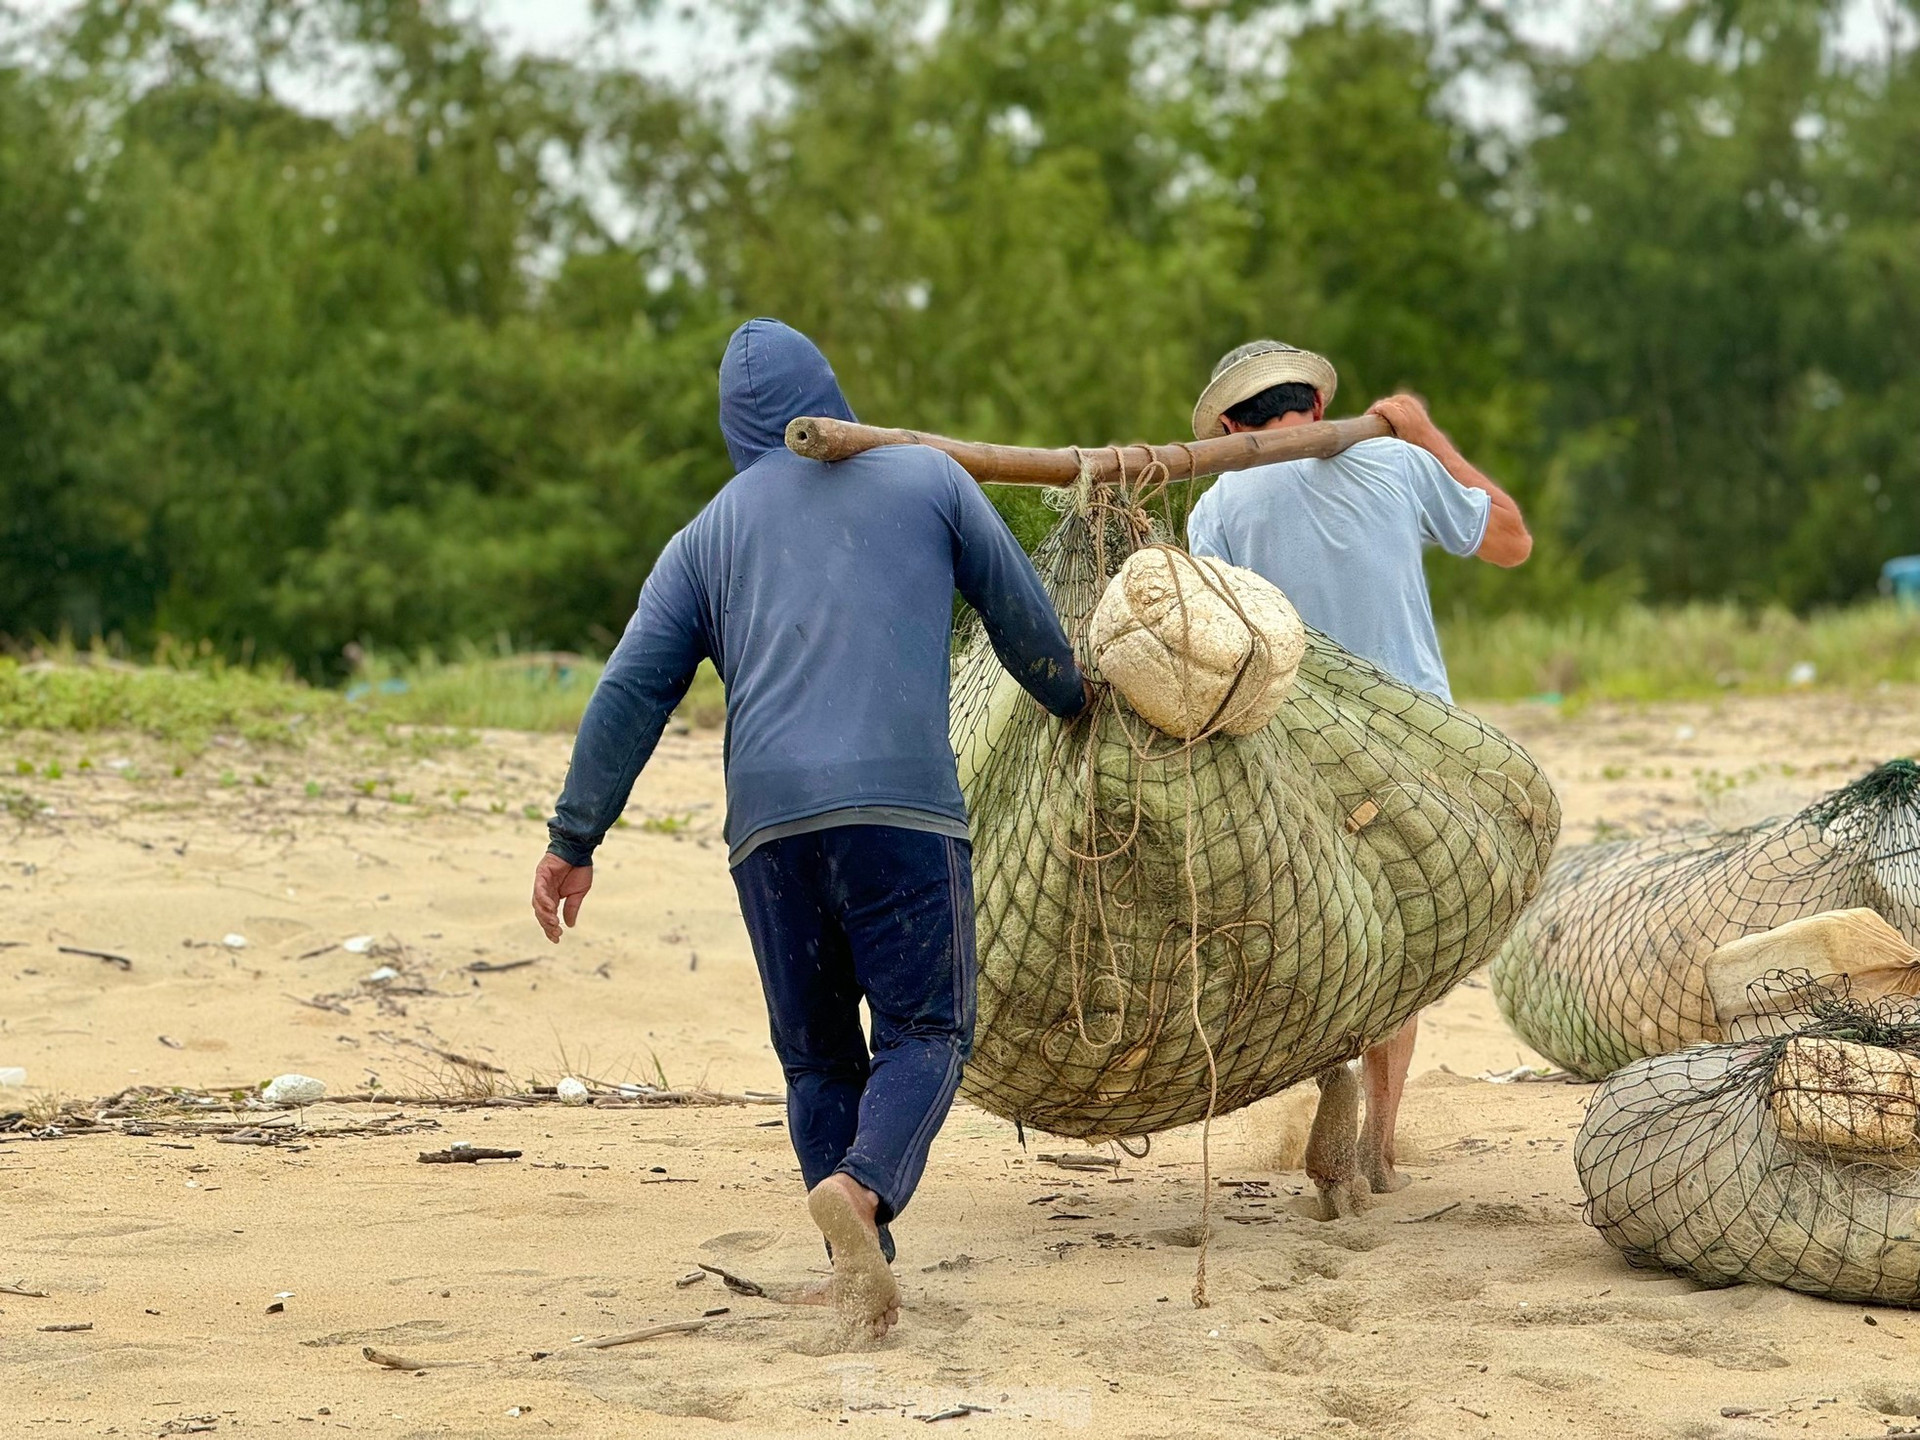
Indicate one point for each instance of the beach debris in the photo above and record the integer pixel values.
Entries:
(1077, 1160)
(490, 967)
(22, 1290)
(738, 1284)
(233, 940)
(293, 1090)
(107, 955)
(571, 1091)
(318, 1002)
(65, 1329)
(669, 1327)
(463, 1152)
(955, 1412)
(382, 975)
(387, 1360)
(1520, 1074)
(13, 1074)
(692, 1277)
(357, 944)
(170, 1042)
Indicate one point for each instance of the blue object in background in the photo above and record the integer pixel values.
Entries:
(1900, 578)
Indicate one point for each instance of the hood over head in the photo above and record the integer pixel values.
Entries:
(772, 374)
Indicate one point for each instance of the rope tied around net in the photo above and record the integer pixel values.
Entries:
(1792, 1160)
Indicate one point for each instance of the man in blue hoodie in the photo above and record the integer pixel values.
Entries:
(824, 596)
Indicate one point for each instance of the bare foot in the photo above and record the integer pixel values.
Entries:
(1330, 1150)
(1342, 1199)
(862, 1288)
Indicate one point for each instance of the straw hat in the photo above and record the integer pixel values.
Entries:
(1256, 366)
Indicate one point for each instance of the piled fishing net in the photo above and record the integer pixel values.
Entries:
(1170, 929)
(1621, 955)
(1792, 1160)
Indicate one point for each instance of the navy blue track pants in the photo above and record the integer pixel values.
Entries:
(883, 914)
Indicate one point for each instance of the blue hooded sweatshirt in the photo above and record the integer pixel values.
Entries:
(824, 596)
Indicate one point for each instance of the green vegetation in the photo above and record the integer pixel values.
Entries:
(1640, 654)
(1632, 654)
(436, 367)
(427, 705)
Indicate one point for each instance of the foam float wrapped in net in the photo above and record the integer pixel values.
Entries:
(1792, 1160)
(1170, 929)
(1629, 951)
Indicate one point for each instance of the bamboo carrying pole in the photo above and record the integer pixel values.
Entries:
(817, 438)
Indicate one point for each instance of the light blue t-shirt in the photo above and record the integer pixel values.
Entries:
(1343, 539)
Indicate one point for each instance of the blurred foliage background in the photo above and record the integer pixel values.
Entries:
(435, 364)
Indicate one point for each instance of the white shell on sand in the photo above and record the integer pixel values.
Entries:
(293, 1090)
(1195, 643)
(571, 1091)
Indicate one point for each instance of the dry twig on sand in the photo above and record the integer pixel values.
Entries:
(388, 1360)
(466, 1155)
(670, 1327)
(107, 955)
(739, 1284)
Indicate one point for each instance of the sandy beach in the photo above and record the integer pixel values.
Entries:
(232, 1288)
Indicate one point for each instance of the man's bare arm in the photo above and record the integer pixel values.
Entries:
(1507, 542)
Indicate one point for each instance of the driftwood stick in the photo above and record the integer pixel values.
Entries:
(670, 1327)
(391, 1361)
(22, 1290)
(332, 1007)
(466, 1155)
(818, 438)
(1074, 1160)
(738, 1284)
(107, 955)
(489, 967)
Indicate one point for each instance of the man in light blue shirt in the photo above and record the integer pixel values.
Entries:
(1344, 538)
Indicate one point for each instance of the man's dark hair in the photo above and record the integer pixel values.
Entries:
(1272, 403)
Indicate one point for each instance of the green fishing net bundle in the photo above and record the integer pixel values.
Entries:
(1169, 930)
(1792, 1160)
(1636, 947)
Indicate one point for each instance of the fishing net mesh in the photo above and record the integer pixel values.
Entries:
(1610, 963)
(1791, 1160)
(1171, 929)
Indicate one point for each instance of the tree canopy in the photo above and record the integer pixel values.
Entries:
(332, 321)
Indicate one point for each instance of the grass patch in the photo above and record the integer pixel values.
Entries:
(430, 703)
(544, 692)
(1638, 653)
(85, 694)
(434, 703)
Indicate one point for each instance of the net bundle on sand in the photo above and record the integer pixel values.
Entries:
(1172, 928)
(1639, 947)
(1792, 1160)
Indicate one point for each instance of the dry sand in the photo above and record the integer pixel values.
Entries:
(1474, 1303)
